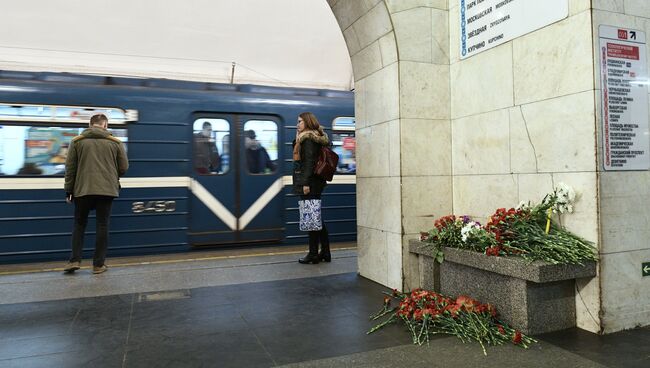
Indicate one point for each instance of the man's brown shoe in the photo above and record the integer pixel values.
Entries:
(100, 269)
(72, 267)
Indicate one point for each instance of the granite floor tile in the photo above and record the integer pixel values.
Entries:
(622, 349)
(183, 318)
(81, 359)
(228, 349)
(290, 343)
(109, 343)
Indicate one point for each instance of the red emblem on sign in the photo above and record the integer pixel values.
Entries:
(622, 34)
(623, 51)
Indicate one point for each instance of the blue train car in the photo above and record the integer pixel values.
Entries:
(210, 164)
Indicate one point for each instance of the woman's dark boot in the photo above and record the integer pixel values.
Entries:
(309, 258)
(312, 256)
(324, 254)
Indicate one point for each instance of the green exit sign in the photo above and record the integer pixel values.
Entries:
(645, 268)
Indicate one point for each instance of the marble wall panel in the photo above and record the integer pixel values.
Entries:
(639, 8)
(425, 147)
(413, 34)
(360, 104)
(588, 304)
(616, 6)
(388, 49)
(379, 203)
(373, 151)
(382, 91)
(625, 217)
(394, 269)
(372, 25)
(371, 3)
(533, 187)
(480, 195)
(562, 130)
(440, 36)
(394, 149)
(424, 90)
(584, 219)
(352, 41)
(425, 198)
(411, 264)
(554, 61)
(481, 144)
(395, 6)
(372, 254)
(625, 292)
(482, 83)
(367, 61)
(523, 153)
(348, 12)
(578, 6)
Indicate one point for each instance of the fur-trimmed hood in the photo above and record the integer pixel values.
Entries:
(315, 136)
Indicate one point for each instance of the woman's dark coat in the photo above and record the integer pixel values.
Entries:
(303, 170)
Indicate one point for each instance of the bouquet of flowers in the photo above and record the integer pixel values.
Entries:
(426, 313)
(527, 231)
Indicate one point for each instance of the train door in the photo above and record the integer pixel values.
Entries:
(236, 179)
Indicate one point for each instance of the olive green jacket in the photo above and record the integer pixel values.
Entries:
(94, 164)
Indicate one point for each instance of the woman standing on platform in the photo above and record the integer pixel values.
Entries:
(306, 149)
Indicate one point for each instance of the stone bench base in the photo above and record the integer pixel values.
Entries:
(533, 297)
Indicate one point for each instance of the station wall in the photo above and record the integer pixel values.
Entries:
(440, 135)
(624, 198)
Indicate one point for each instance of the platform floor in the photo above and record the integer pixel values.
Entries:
(256, 311)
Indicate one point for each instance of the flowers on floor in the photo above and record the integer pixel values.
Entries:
(427, 313)
(527, 231)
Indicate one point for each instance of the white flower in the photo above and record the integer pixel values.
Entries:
(523, 205)
(466, 231)
(565, 196)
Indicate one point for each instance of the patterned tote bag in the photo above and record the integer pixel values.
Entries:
(310, 219)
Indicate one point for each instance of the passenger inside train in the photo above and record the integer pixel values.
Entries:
(206, 156)
(257, 158)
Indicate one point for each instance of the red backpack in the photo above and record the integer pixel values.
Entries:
(325, 166)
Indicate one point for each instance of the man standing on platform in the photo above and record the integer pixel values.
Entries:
(94, 164)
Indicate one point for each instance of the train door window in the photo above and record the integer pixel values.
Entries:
(344, 142)
(211, 146)
(39, 150)
(261, 143)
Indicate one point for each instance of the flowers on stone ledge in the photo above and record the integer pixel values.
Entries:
(427, 313)
(527, 231)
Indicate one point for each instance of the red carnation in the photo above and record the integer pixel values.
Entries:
(501, 330)
(516, 339)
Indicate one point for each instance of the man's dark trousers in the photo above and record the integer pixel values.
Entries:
(82, 207)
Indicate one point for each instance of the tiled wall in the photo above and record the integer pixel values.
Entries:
(437, 135)
(368, 31)
(421, 31)
(624, 201)
(523, 120)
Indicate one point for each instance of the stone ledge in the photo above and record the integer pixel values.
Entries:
(538, 271)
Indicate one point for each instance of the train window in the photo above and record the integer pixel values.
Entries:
(211, 146)
(38, 150)
(344, 142)
(261, 141)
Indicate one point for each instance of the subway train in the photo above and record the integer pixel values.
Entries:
(210, 164)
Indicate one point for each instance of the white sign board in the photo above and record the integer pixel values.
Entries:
(624, 86)
(487, 23)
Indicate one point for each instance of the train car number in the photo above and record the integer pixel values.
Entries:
(154, 206)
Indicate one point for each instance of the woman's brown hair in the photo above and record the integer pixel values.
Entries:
(311, 123)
